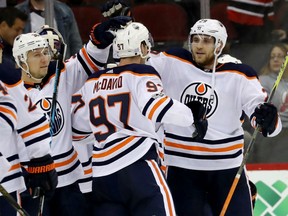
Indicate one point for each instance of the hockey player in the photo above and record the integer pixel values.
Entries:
(124, 104)
(83, 144)
(202, 172)
(32, 55)
(33, 128)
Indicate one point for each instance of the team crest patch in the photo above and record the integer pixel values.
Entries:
(201, 92)
(45, 105)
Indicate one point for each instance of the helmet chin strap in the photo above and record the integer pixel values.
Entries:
(216, 55)
(29, 74)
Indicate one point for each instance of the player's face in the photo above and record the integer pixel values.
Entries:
(277, 56)
(38, 61)
(203, 50)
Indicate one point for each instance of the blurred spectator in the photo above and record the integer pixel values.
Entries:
(281, 25)
(64, 21)
(253, 19)
(274, 149)
(12, 23)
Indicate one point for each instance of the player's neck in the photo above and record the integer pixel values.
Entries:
(28, 79)
(130, 60)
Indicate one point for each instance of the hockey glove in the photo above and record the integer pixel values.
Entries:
(101, 34)
(200, 121)
(115, 8)
(266, 117)
(41, 174)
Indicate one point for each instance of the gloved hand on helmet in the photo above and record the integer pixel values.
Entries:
(102, 34)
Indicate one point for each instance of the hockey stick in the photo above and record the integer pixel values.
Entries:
(41, 205)
(12, 202)
(252, 141)
(54, 97)
(38, 192)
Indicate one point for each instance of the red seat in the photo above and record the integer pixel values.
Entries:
(165, 21)
(86, 17)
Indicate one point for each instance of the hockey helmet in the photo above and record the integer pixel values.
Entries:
(128, 40)
(54, 39)
(210, 27)
(27, 42)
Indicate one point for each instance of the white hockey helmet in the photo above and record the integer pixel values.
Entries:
(26, 42)
(55, 40)
(210, 27)
(128, 40)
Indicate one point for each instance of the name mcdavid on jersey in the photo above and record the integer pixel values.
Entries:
(199, 91)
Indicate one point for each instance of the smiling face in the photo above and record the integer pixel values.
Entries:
(203, 50)
(38, 61)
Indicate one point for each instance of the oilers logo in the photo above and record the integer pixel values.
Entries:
(201, 92)
(58, 123)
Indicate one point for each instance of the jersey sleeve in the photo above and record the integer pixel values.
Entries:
(80, 118)
(254, 94)
(32, 125)
(4, 164)
(8, 122)
(8, 110)
(157, 106)
(78, 68)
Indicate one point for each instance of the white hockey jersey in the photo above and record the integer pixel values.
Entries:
(72, 77)
(8, 120)
(124, 104)
(236, 89)
(32, 126)
(82, 141)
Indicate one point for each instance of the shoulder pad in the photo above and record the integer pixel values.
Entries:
(241, 68)
(9, 74)
(137, 68)
(180, 53)
(134, 68)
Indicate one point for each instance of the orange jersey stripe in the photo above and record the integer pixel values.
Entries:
(15, 166)
(60, 164)
(204, 149)
(78, 137)
(37, 130)
(164, 187)
(114, 149)
(161, 101)
(8, 111)
(89, 171)
(85, 54)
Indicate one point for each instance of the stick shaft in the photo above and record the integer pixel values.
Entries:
(12, 201)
